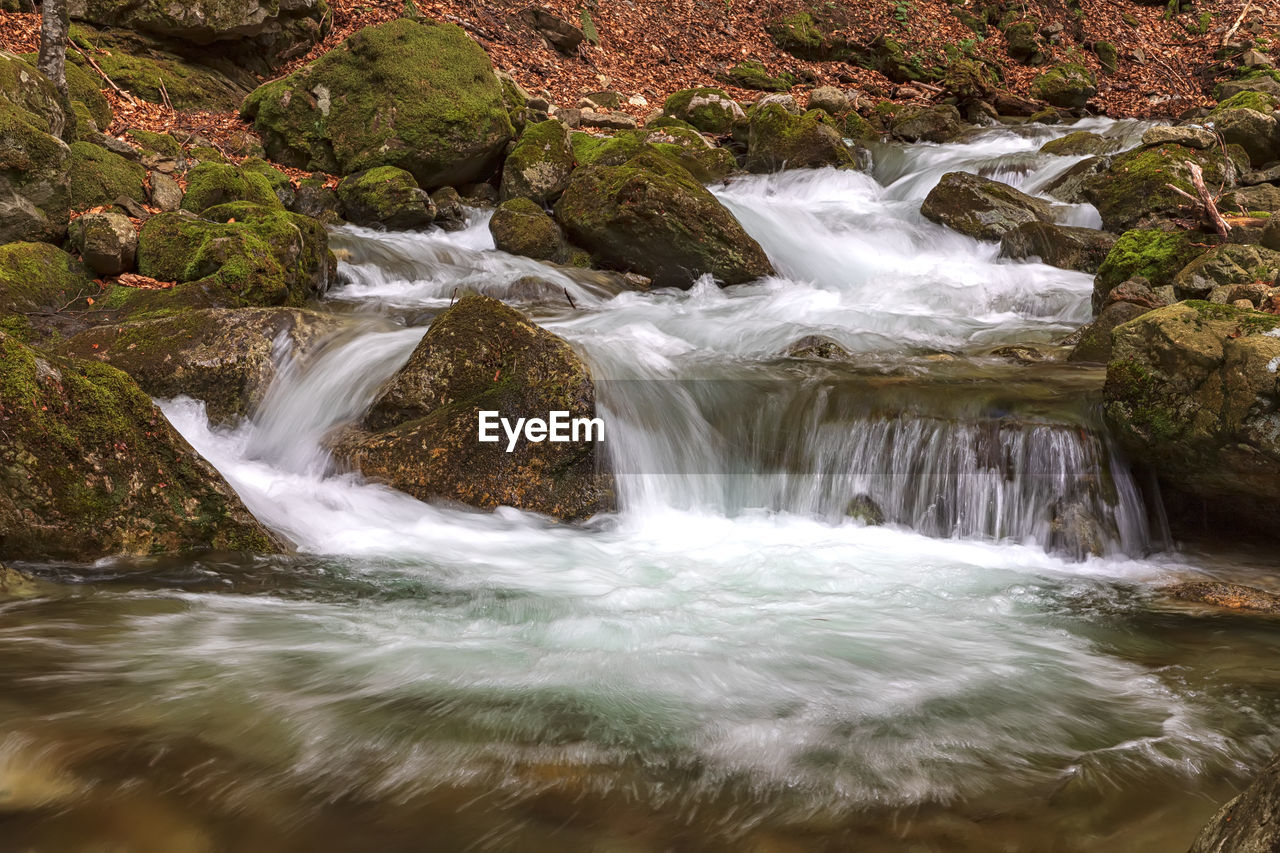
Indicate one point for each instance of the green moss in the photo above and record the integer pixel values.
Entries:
(40, 277)
(687, 150)
(276, 178)
(714, 112)
(1258, 101)
(969, 79)
(1068, 85)
(858, 129)
(157, 143)
(208, 154)
(211, 184)
(1022, 40)
(539, 165)
(753, 75)
(1144, 407)
(1136, 184)
(523, 228)
(1108, 58)
(1155, 255)
(99, 177)
(190, 86)
(778, 139)
(386, 196)
(85, 89)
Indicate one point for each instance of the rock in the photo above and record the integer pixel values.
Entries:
(1074, 530)
(787, 102)
(858, 129)
(1011, 104)
(1188, 136)
(317, 201)
(1271, 235)
(969, 80)
(753, 75)
(1069, 86)
(478, 356)
(539, 165)
(1231, 596)
(279, 182)
(451, 213)
(1107, 55)
(1156, 256)
(264, 257)
(1192, 392)
(1070, 185)
(607, 120)
(864, 509)
(108, 242)
(980, 207)
(15, 584)
(1259, 199)
(560, 34)
(419, 96)
(1022, 42)
(271, 31)
(1078, 143)
(940, 123)
(819, 347)
(1094, 344)
(92, 469)
(1048, 115)
(708, 110)
(1253, 131)
(521, 227)
(212, 184)
(166, 194)
(1134, 186)
(652, 217)
(778, 140)
(830, 100)
(1062, 246)
(686, 147)
(35, 192)
(1137, 291)
(1226, 265)
(1265, 84)
(385, 196)
(40, 277)
(1022, 354)
(227, 358)
(815, 33)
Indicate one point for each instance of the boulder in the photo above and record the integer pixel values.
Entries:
(559, 33)
(417, 95)
(523, 228)
(1192, 392)
(1225, 266)
(683, 146)
(40, 277)
(227, 358)
(1070, 185)
(385, 196)
(1063, 246)
(1022, 42)
(1248, 823)
(1157, 256)
(1080, 142)
(816, 33)
(539, 166)
(1255, 132)
(1094, 343)
(313, 198)
(212, 184)
(1261, 199)
(1069, 86)
(830, 100)
(1135, 186)
(35, 188)
(980, 207)
(280, 183)
(940, 123)
(708, 110)
(166, 193)
(91, 469)
(1189, 136)
(108, 242)
(651, 216)
(779, 140)
(480, 355)
(753, 75)
(1229, 596)
(451, 213)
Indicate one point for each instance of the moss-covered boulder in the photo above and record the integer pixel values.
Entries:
(652, 217)
(280, 183)
(40, 277)
(683, 146)
(1094, 343)
(99, 177)
(706, 109)
(1189, 135)
(819, 32)
(35, 188)
(1063, 246)
(1134, 188)
(1023, 42)
(385, 196)
(1225, 266)
(108, 242)
(521, 227)
(1078, 143)
(1155, 255)
(227, 358)
(980, 207)
(422, 435)
(779, 140)
(1256, 132)
(90, 468)
(264, 257)
(418, 95)
(85, 91)
(539, 165)
(1068, 85)
(752, 74)
(212, 184)
(1192, 391)
(915, 123)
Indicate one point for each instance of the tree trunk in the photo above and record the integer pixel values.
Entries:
(55, 24)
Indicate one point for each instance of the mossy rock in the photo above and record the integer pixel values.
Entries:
(99, 177)
(1256, 132)
(40, 277)
(753, 75)
(858, 129)
(893, 59)
(1134, 186)
(814, 33)
(1023, 43)
(281, 184)
(90, 468)
(539, 164)
(225, 357)
(980, 207)
(417, 95)
(1080, 143)
(162, 144)
(1068, 85)
(521, 227)
(386, 196)
(212, 184)
(1152, 254)
(35, 187)
(1094, 344)
(686, 148)
(1107, 55)
(706, 109)
(1261, 102)
(651, 216)
(481, 355)
(85, 89)
(938, 123)
(969, 79)
(1226, 265)
(779, 140)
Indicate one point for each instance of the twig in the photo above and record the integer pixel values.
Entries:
(164, 94)
(1226, 37)
(103, 74)
(570, 298)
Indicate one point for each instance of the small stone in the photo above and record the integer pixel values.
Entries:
(608, 120)
(817, 346)
(108, 242)
(830, 100)
(1189, 135)
(166, 194)
(787, 102)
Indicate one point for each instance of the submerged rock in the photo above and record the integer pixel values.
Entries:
(1231, 596)
(91, 468)
(863, 508)
(817, 346)
(1061, 246)
(980, 207)
(423, 431)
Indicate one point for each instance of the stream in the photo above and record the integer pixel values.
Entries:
(728, 663)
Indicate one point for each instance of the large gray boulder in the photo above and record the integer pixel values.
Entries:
(981, 207)
(1063, 246)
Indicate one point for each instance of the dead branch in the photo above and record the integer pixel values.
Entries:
(103, 74)
(1204, 199)
(1226, 37)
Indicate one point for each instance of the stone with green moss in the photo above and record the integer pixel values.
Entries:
(651, 216)
(706, 109)
(521, 227)
(224, 357)
(420, 435)
(1256, 132)
(917, 123)
(857, 128)
(1135, 185)
(212, 184)
(969, 79)
(90, 468)
(1023, 42)
(687, 148)
(1224, 266)
(1153, 254)
(35, 191)
(99, 177)
(1257, 101)
(779, 140)
(1192, 392)
(85, 90)
(162, 144)
(1094, 344)
(417, 95)
(753, 75)
(539, 165)
(1069, 86)
(107, 241)
(385, 196)
(817, 32)
(1078, 143)
(980, 207)
(1107, 55)
(40, 277)
(281, 184)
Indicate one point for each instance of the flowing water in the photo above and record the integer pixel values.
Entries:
(731, 662)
